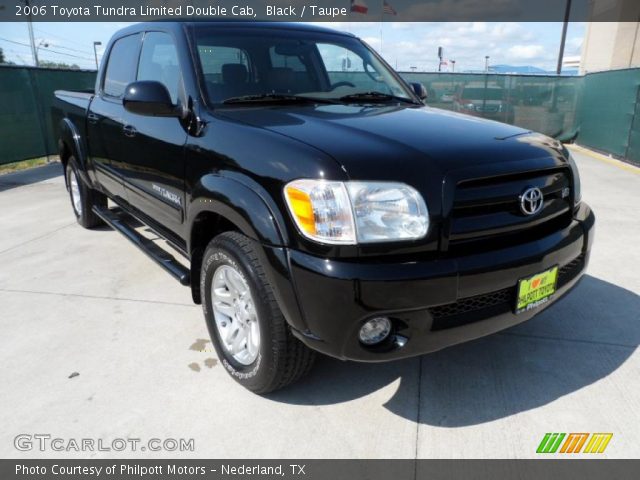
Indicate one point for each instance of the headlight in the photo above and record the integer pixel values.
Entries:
(357, 212)
(387, 211)
(577, 193)
(321, 210)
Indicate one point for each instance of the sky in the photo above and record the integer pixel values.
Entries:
(404, 44)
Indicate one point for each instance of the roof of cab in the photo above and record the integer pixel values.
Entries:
(224, 24)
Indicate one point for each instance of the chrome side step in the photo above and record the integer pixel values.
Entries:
(116, 218)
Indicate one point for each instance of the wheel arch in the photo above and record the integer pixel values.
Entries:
(219, 204)
(70, 144)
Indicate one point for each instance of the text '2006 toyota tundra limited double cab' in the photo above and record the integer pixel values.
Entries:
(318, 209)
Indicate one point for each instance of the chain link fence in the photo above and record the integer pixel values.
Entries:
(599, 110)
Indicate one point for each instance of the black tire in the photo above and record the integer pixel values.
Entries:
(88, 197)
(282, 359)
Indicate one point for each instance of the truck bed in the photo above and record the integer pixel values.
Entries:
(78, 99)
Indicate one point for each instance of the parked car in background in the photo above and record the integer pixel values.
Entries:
(486, 101)
(447, 97)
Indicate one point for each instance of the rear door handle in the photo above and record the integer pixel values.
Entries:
(129, 130)
(93, 118)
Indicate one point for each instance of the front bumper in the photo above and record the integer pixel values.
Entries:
(433, 304)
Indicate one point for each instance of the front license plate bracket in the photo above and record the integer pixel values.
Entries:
(536, 290)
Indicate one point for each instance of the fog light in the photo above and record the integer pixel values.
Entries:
(375, 331)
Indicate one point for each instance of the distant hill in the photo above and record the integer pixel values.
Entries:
(528, 69)
(516, 69)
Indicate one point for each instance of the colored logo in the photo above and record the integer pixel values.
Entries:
(574, 443)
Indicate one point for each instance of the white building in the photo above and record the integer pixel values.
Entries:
(610, 46)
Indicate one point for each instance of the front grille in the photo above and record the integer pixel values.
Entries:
(480, 307)
(486, 211)
(471, 309)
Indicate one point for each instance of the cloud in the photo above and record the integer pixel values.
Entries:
(525, 52)
(372, 41)
(574, 46)
(416, 44)
(510, 30)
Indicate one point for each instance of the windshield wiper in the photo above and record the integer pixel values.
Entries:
(275, 98)
(373, 96)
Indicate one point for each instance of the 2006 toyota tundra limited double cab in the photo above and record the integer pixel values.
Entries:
(318, 209)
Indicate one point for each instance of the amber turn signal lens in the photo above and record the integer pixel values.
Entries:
(302, 209)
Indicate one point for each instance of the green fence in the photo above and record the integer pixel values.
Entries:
(26, 95)
(545, 104)
(607, 113)
(600, 110)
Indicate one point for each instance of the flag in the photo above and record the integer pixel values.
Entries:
(388, 9)
(358, 6)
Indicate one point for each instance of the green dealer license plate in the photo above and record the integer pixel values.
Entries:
(536, 290)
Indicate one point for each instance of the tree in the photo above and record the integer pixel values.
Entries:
(3, 59)
(62, 65)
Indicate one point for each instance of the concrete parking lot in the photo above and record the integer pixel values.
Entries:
(83, 302)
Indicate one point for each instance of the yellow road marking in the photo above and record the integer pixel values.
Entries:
(604, 158)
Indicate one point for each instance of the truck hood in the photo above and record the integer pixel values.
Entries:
(405, 142)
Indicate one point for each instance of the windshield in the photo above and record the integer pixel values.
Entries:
(269, 64)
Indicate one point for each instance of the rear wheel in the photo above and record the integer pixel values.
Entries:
(82, 197)
(248, 330)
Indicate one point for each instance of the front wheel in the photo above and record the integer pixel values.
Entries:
(248, 330)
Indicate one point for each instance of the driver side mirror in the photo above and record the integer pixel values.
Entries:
(420, 90)
(150, 98)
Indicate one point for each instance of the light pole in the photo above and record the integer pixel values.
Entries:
(95, 52)
(32, 42)
(486, 63)
(563, 38)
(44, 44)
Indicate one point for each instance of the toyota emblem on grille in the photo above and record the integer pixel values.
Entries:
(531, 201)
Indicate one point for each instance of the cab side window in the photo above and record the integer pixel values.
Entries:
(121, 67)
(159, 62)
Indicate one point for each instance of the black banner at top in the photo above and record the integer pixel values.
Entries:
(320, 10)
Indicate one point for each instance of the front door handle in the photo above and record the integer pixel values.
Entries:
(93, 118)
(129, 130)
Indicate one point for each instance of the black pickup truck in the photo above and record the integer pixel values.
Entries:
(318, 203)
